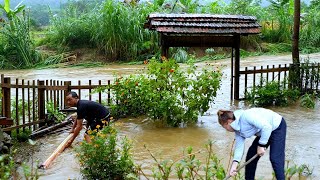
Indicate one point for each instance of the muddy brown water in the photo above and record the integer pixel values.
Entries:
(303, 145)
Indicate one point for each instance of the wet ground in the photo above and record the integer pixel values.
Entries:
(303, 145)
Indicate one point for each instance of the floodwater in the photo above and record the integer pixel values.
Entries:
(303, 145)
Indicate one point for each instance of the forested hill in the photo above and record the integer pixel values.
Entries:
(52, 3)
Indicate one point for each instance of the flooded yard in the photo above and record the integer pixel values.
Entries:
(302, 146)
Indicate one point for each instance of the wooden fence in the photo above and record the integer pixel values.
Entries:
(25, 102)
(260, 76)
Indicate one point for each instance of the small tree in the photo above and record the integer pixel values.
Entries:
(167, 92)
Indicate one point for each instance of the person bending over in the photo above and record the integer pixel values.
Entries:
(93, 112)
(270, 130)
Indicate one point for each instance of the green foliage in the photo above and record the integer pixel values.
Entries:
(272, 94)
(6, 166)
(167, 93)
(19, 109)
(302, 171)
(104, 157)
(106, 27)
(189, 166)
(54, 112)
(181, 55)
(21, 135)
(16, 49)
(308, 101)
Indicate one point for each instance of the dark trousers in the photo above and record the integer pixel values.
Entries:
(277, 143)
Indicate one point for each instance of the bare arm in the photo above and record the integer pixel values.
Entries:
(74, 118)
(77, 129)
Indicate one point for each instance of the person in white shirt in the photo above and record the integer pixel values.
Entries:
(270, 130)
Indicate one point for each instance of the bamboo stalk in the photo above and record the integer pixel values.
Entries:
(59, 150)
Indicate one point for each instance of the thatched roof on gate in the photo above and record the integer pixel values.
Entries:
(205, 24)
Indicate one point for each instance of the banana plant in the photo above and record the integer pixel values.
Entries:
(11, 12)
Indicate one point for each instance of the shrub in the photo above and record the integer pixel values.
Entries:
(272, 94)
(104, 158)
(21, 135)
(308, 100)
(167, 93)
(6, 166)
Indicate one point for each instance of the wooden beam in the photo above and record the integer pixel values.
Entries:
(59, 150)
(6, 121)
(237, 67)
(49, 129)
(23, 125)
(197, 41)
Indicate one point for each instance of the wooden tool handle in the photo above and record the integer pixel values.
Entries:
(59, 150)
(243, 165)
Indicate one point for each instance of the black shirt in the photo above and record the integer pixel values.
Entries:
(91, 111)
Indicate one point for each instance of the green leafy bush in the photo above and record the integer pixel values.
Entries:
(272, 94)
(308, 100)
(21, 135)
(53, 113)
(105, 158)
(166, 93)
(6, 166)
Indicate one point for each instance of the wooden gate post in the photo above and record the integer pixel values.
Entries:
(6, 96)
(67, 89)
(41, 102)
(237, 68)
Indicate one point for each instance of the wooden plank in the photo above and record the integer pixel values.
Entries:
(59, 150)
(51, 128)
(109, 94)
(17, 105)
(34, 104)
(29, 109)
(23, 125)
(264, 70)
(254, 76)
(246, 82)
(6, 121)
(90, 87)
(100, 92)
(79, 90)
(279, 75)
(261, 76)
(23, 103)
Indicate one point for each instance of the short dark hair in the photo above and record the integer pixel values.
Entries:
(73, 94)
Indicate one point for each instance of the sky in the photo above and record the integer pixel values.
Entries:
(56, 3)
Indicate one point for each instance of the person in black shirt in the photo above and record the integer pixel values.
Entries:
(93, 112)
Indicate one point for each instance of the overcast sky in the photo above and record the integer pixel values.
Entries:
(56, 3)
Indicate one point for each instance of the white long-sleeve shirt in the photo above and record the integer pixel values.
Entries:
(255, 121)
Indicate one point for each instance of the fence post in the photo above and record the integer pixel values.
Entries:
(67, 89)
(41, 102)
(6, 96)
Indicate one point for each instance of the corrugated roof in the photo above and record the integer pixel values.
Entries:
(202, 24)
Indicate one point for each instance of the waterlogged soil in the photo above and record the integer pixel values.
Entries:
(302, 146)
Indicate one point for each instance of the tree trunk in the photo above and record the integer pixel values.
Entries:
(294, 74)
(295, 36)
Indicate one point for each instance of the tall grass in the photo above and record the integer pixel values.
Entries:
(16, 47)
(116, 28)
(310, 29)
